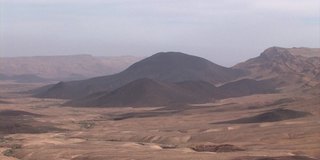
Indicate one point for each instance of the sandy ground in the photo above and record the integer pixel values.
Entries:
(155, 133)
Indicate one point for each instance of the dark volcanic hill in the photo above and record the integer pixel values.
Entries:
(147, 92)
(287, 66)
(169, 67)
(168, 78)
(177, 67)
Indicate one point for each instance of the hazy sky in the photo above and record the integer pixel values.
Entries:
(223, 31)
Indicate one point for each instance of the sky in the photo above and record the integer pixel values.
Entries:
(223, 31)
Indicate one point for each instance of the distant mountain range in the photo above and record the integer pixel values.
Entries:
(62, 68)
(171, 78)
(24, 78)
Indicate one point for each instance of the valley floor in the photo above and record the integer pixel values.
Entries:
(37, 129)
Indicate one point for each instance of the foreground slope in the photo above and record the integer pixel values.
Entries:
(164, 66)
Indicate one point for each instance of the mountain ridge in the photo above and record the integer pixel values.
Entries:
(285, 65)
(65, 67)
(167, 78)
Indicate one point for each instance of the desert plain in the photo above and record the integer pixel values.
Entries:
(279, 126)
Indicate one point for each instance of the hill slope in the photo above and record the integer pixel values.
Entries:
(142, 92)
(147, 92)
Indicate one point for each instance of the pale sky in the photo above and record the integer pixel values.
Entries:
(223, 31)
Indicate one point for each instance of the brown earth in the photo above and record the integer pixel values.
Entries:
(276, 158)
(159, 133)
(275, 115)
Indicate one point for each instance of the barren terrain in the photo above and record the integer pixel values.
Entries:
(37, 129)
